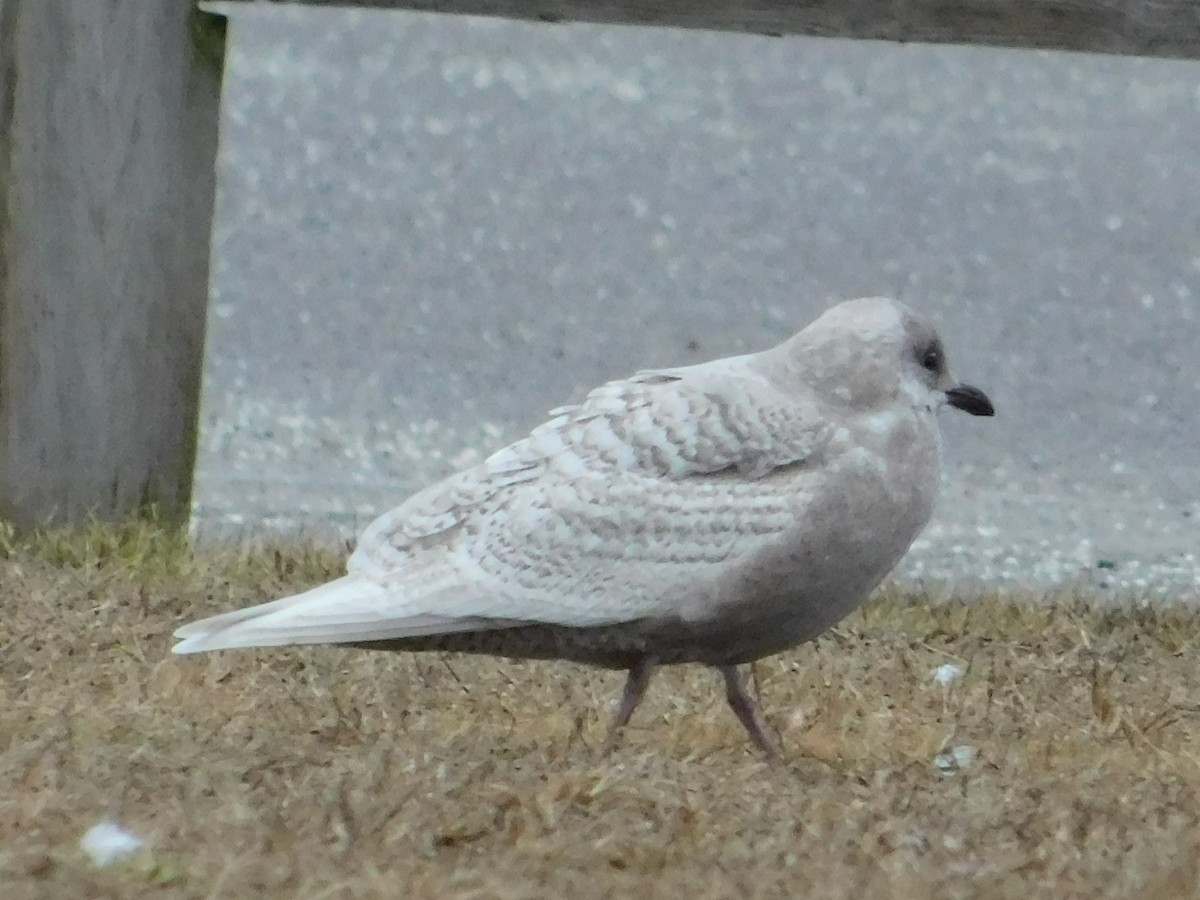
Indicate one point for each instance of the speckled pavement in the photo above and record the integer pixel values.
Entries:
(431, 230)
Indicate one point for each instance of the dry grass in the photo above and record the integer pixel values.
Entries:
(323, 773)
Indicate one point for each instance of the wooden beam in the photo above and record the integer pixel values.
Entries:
(108, 130)
(1130, 27)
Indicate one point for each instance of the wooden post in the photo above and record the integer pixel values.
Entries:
(108, 135)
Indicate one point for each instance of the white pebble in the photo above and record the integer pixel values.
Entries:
(947, 673)
(108, 842)
(957, 759)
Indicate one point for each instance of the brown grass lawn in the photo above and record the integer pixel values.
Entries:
(319, 773)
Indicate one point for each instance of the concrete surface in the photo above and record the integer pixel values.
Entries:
(432, 230)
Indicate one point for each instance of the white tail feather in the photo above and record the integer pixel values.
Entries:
(347, 610)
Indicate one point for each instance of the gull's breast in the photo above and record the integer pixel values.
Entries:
(854, 519)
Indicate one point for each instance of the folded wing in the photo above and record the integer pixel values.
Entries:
(614, 510)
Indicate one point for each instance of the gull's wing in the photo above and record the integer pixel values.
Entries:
(663, 425)
(616, 509)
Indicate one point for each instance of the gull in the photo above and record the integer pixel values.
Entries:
(714, 514)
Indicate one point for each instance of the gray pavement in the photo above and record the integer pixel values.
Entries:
(431, 230)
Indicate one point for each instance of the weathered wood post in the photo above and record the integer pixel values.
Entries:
(108, 136)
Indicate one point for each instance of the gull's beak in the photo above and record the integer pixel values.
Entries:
(970, 399)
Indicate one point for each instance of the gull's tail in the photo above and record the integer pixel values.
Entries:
(348, 610)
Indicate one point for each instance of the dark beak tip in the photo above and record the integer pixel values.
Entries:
(970, 400)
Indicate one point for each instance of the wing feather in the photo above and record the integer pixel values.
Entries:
(619, 508)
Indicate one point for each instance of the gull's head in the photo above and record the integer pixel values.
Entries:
(872, 352)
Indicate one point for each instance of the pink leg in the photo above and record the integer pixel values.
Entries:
(635, 686)
(748, 712)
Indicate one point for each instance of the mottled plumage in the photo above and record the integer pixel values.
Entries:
(715, 513)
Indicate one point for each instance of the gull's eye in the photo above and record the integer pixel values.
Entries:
(931, 359)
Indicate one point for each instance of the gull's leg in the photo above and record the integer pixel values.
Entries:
(635, 686)
(748, 712)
